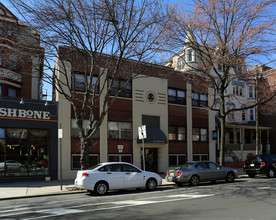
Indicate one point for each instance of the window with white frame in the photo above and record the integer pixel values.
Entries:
(75, 161)
(189, 55)
(251, 111)
(238, 90)
(243, 115)
(251, 91)
(177, 159)
(119, 130)
(200, 157)
(120, 158)
(180, 63)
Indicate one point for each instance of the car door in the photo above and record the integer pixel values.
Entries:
(215, 171)
(203, 171)
(114, 176)
(134, 177)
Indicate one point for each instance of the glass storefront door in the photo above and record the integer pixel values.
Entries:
(24, 152)
(151, 163)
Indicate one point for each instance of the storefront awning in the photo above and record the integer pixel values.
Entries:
(155, 136)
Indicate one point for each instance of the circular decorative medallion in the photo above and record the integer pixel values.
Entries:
(151, 97)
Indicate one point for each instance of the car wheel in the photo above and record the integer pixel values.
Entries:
(252, 175)
(194, 181)
(151, 184)
(230, 177)
(271, 173)
(101, 188)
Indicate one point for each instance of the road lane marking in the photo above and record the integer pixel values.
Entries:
(265, 187)
(117, 205)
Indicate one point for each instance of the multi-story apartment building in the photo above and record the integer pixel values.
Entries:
(28, 128)
(240, 125)
(173, 108)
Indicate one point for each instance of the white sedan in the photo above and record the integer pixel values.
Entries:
(116, 175)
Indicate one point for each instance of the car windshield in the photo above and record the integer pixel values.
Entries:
(185, 166)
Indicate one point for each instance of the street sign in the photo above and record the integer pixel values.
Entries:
(60, 133)
(142, 133)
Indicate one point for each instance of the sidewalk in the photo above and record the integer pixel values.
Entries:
(42, 188)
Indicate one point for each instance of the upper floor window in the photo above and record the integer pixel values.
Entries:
(180, 63)
(251, 91)
(10, 30)
(1, 58)
(237, 90)
(1, 28)
(177, 96)
(124, 86)
(199, 100)
(80, 83)
(177, 133)
(74, 129)
(243, 115)
(200, 134)
(251, 115)
(13, 62)
(189, 55)
(0, 90)
(119, 130)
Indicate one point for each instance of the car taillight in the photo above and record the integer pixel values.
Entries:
(178, 173)
(244, 165)
(85, 174)
(167, 173)
(262, 164)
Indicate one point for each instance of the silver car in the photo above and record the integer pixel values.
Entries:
(195, 172)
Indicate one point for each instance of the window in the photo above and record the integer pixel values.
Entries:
(13, 62)
(124, 86)
(12, 92)
(1, 28)
(180, 63)
(177, 160)
(80, 83)
(0, 90)
(1, 58)
(129, 168)
(177, 96)
(119, 130)
(74, 129)
(200, 134)
(151, 121)
(10, 30)
(237, 90)
(120, 158)
(177, 133)
(200, 157)
(238, 137)
(251, 92)
(243, 115)
(231, 137)
(199, 100)
(93, 160)
(189, 55)
(251, 115)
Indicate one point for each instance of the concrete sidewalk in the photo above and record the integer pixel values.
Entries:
(42, 188)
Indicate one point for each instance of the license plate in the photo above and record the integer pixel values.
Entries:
(252, 165)
(171, 174)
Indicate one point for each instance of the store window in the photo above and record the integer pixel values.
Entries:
(12, 92)
(24, 152)
(177, 96)
(119, 130)
(200, 134)
(76, 165)
(177, 159)
(120, 158)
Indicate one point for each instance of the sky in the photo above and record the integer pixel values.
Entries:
(47, 88)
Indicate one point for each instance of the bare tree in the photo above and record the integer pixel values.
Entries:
(227, 36)
(98, 38)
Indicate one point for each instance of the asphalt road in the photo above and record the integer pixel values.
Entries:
(244, 199)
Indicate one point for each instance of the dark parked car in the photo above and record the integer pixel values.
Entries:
(260, 164)
(195, 172)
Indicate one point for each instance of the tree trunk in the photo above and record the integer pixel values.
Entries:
(222, 141)
(84, 160)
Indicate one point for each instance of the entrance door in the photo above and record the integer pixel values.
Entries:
(151, 163)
